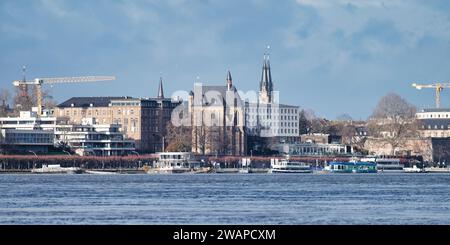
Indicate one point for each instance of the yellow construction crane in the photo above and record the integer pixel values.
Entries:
(438, 88)
(38, 82)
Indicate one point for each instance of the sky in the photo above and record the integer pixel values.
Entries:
(332, 57)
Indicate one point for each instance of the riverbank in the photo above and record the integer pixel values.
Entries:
(25, 163)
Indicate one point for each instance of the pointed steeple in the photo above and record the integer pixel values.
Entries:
(270, 84)
(160, 89)
(229, 80)
(266, 85)
(264, 76)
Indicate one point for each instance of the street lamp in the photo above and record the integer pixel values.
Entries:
(33, 160)
(139, 162)
(33, 153)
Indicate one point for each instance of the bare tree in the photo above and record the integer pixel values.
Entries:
(392, 121)
(350, 136)
(344, 117)
(22, 100)
(178, 138)
(5, 96)
(47, 99)
(304, 125)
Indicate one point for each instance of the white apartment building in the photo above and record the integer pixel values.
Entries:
(27, 133)
(89, 138)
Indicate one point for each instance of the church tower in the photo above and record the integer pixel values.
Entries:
(266, 85)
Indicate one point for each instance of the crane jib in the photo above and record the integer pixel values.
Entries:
(39, 81)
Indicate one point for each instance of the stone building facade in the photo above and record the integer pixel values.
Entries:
(141, 119)
(217, 120)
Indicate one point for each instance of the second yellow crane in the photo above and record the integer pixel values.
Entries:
(438, 88)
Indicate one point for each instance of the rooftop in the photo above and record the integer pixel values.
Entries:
(435, 110)
(90, 101)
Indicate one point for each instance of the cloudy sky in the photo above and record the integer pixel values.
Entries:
(333, 57)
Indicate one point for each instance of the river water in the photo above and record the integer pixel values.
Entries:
(225, 199)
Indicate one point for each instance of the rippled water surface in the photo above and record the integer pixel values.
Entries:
(225, 199)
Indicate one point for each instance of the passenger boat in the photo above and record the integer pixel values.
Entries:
(287, 166)
(386, 165)
(56, 169)
(175, 163)
(352, 167)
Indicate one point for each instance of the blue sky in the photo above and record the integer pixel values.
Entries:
(333, 57)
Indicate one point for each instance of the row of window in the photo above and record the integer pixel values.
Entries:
(435, 127)
(26, 138)
(254, 117)
(431, 115)
(279, 131)
(269, 110)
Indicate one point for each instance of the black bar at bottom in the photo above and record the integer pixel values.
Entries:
(222, 233)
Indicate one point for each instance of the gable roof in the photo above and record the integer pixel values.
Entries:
(87, 101)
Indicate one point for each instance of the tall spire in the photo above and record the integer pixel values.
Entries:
(266, 85)
(160, 89)
(229, 80)
(269, 74)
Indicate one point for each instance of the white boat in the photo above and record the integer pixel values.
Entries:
(386, 165)
(176, 162)
(56, 169)
(286, 166)
(243, 171)
(414, 169)
(99, 172)
(226, 170)
(437, 170)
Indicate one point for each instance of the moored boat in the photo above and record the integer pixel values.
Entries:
(414, 169)
(56, 169)
(352, 167)
(99, 172)
(287, 166)
(226, 170)
(176, 163)
(437, 170)
(385, 164)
